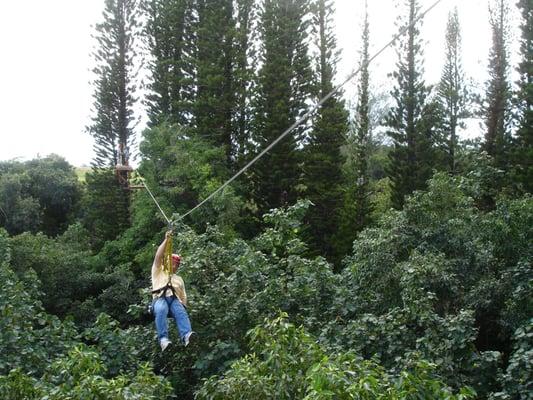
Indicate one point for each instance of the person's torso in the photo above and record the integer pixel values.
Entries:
(160, 280)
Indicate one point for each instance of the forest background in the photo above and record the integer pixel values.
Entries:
(371, 254)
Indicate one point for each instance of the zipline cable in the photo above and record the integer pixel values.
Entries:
(309, 112)
(155, 201)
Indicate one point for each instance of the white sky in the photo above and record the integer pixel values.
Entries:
(45, 47)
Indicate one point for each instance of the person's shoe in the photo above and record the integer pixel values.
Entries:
(164, 343)
(187, 338)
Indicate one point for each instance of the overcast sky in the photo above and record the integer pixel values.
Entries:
(45, 47)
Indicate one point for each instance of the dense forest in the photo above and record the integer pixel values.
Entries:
(373, 253)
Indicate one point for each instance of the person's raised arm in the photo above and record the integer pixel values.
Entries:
(158, 259)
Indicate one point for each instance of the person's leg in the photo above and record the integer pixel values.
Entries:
(181, 317)
(161, 313)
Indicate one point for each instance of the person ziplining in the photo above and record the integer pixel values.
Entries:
(169, 295)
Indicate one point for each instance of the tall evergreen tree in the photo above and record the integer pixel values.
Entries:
(284, 85)
(497, 108)
(323, 161)
(363, 139)
(169, 38)
(408, 121)
(452, 94)
(358, 208)
(243, 77)
(523, 146)
(113, 124)
(215, 102)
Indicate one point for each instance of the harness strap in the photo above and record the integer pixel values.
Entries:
(163, 290)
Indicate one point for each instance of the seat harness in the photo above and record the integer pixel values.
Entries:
(164, 289)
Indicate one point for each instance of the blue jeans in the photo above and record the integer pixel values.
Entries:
(165, 306)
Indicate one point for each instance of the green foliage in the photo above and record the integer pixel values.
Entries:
(357, 210)
(399, 338)
(182, 170)
(72, 280)
(428, 301)
(410, 277)
(19, 213)
(522, 150)
(80, 375)
(17, 385)
(322, 170)
(287, 363)
(168, 35)
(38, 195)
(215, 101)
(284, 84)
(452, 94)
(28, 336)
(112, 126)
(105, 207)
(120, 350)
(114, 87)
(276, 369)
(484, 181)
(497, 104)
(410, 121)
(435, 297)
(243, 75)
(30, 339)
(65, 281)
(444, 222)
(5, 249)
(517, 380)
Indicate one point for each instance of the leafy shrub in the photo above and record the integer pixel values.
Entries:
(80, 375)
(120, 350)
(287, 363)
(518, 377)
(183, 169)
(28, 336)
(38, 195)
(66, 274)
(441, 278)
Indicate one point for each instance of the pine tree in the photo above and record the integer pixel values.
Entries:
(284, 85)
(112, 126)
(169, 37)
(215, 102)
(452, 94)
(523, 145)
(323, 161)
(243, 77)
(409, 120)
(497, 109)
(362, 204)
(358, 208)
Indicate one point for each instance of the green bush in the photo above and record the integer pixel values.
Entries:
(518, 377)
(80, 375)
(287, 363)
(38, 195)
(28, 336)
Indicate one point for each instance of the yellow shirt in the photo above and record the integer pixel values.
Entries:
(160, 280)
